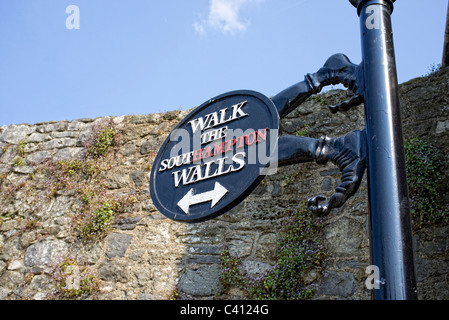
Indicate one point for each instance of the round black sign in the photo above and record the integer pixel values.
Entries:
(215, 157)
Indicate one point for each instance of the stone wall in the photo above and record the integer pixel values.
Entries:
(147, 256)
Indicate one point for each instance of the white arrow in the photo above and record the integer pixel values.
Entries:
(190, 199)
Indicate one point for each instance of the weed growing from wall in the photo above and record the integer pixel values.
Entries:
(21, 148)
(426, 181)
(300, 250)
(303, 131)
(431, 69)
(92, 224)
(333, 99)
(100, 143)
(98, 207)
(74, 281)
(80, 179)
(230, 273)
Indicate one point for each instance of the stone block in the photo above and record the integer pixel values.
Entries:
(38, 137)
(13, 134)
(46, 253)
(203, 259)
(344, 237)
(138, 177)
(113, 271)
(127, 223)
(39, 157)
(201, 282)
(340, 284)
(116, 244)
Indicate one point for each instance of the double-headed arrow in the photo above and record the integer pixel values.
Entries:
(190, 199)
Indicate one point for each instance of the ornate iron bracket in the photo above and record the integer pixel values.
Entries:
(348, 152)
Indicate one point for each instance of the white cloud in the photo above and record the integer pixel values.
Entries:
(224, 15)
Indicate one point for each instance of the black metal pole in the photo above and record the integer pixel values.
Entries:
(445, 62)
(390, 226)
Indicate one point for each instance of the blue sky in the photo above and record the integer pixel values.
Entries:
(146, 56)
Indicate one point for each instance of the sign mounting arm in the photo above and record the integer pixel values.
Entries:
(337, 69)
(347, 152)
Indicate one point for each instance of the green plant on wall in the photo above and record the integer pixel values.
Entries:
(21, 147)
(20, 151)
(18, 162)
(103, 139)
(93, 223)
(303, 131)
(426, 180)
(74, 281)
(99, 207)
(300, 250)
(81, 179)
